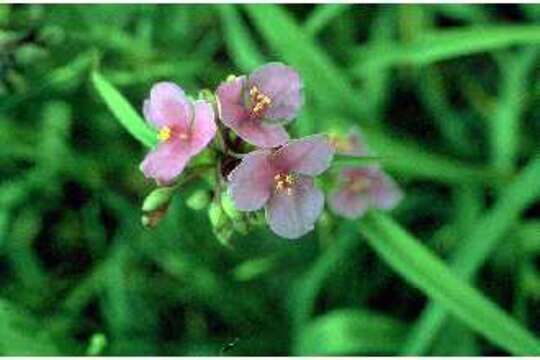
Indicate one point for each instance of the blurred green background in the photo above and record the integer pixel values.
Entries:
(448, 95)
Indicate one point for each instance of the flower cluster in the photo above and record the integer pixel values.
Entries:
(243, 125)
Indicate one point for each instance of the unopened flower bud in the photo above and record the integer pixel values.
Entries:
(221, 224)
(198, 200)
(152, 218)
(207, 95)
(158, 199)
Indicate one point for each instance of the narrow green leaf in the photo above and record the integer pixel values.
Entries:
(441, 45)
(504, 125)
(422, 268)
(123, 111)
(475, 248)
(529, 233)
(350, 331)
(322, 16)
(242, 47)
(376, 84)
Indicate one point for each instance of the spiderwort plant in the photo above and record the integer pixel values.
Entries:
(254, 165)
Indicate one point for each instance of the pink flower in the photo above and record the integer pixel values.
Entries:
(352, 145)
(184, 129)
(362, 188)
(281, 181)
(257, 107)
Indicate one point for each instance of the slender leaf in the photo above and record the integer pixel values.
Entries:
(350, 331)
(441, 45)
(123, 111)
(322, 16)
(241, 45)
(422, 268)
(505, 123)
(475, 248)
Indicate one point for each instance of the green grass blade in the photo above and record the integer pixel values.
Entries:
(529, 233)
(477, 245)
(422, 268)
(350, 331)
(504, 125)
(241, 45)
(123, 111)
(442, 45)
(322, 16)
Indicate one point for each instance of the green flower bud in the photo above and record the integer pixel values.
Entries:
(98, 342)
(152, 218)
(228, 206)
(207, 95)
(231, 77)
(158, 199)
(239, 220)
(221, 225)
(216, 215)
(198, 200)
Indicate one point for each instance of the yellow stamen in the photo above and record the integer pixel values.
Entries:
(360, 184)
(164, 133)
(260, 102)
(284, 183)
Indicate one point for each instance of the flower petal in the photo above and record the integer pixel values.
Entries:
(232, 111)
(348, 204)
(166, 162)
(250, 183)
(262, 135)
(385, 193)
(168, 106)
(203, 128)
(294, 215)
(282, 84)
(311, 155)
(358, 146)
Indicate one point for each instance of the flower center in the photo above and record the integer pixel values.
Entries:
(166, 133)
(260, 102)
(284, 183)
(359, 185)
